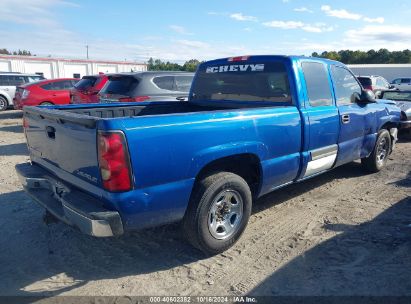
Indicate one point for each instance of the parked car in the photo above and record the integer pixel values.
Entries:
(376, 84)
(251, 125)
(86, 90)
(8, 83)
(402, 83)
(403, 100)
(146, 86)
(45, 92)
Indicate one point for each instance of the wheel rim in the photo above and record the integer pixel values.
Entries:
(382, 150)
(2, 103)
(225, 214)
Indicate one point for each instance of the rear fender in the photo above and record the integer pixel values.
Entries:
(206, 156)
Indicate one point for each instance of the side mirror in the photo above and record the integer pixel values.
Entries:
(365, 97)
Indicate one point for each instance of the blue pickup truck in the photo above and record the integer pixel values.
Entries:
(252, 124)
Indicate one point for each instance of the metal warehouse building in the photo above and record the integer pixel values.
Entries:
(388, 71)
(60, 67)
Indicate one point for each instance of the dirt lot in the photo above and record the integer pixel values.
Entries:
(343, 233)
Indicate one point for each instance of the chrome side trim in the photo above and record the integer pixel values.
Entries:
(323, 152)
(321, 159)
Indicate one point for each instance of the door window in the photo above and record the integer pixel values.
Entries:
(345, 85)
(381, 83)
(318, 87)
(16, 80)
(183, 83)
(4, 81)
(405, 80)
(164, 82)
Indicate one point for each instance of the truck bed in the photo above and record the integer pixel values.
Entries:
(158, 108)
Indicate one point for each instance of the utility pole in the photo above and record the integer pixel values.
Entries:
(87, 50)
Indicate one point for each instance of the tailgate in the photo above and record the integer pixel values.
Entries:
(63, 140)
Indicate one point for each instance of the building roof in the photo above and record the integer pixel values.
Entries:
(36, 58)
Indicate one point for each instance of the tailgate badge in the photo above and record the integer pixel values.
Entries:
(87, 176)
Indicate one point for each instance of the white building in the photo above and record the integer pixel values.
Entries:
(61, 67)
(388, 71)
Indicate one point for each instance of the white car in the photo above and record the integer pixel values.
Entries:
(8, 83)
(403, 84)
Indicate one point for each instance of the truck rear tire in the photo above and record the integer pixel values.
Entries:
(218, 212)
(382, 149)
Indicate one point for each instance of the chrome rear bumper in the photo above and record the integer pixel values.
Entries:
(69, 205)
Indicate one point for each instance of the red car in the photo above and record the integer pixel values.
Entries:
(45, 92)
(86, 90)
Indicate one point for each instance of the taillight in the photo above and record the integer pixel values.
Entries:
(368, 87)
(114, 161)
(25, 123)
(133, 99)
(25, 94)
(239, 58)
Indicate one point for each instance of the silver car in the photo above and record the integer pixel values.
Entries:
(146, 86)
(402, 84)
(403, 101)
(8, 83)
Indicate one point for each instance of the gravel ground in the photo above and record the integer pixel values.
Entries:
(342, 233)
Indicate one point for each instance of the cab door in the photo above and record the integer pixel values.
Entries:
(321, 119)
(356, 139)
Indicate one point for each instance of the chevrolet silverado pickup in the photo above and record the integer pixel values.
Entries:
(251, 125)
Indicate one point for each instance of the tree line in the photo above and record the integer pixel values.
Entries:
(19, 52)
(158, 65)
(361, 57)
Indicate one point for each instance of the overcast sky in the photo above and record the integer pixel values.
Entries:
(184, 29)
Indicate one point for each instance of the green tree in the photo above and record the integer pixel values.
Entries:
(360, 57)
(159, 65)
(191, 65)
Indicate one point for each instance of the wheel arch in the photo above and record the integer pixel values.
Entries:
(246, 165)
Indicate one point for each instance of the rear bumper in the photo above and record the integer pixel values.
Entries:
(17, 104)
(69, 205)
(405, 124)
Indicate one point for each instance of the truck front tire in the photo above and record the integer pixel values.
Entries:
(382, 149)
(218, 212)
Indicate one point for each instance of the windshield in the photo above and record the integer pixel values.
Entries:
(120, 85)
(395, 95)
(242, 81)
(85, 83)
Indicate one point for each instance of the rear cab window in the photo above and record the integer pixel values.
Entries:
(120, 85)
(86, 83)
(242, 81)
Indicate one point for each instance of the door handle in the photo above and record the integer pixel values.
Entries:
(345, 118)
(51, 132)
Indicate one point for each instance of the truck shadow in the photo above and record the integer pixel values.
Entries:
(14, 149)
(367, 259)
(60, 259)
(350, 170)
(37, 256)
